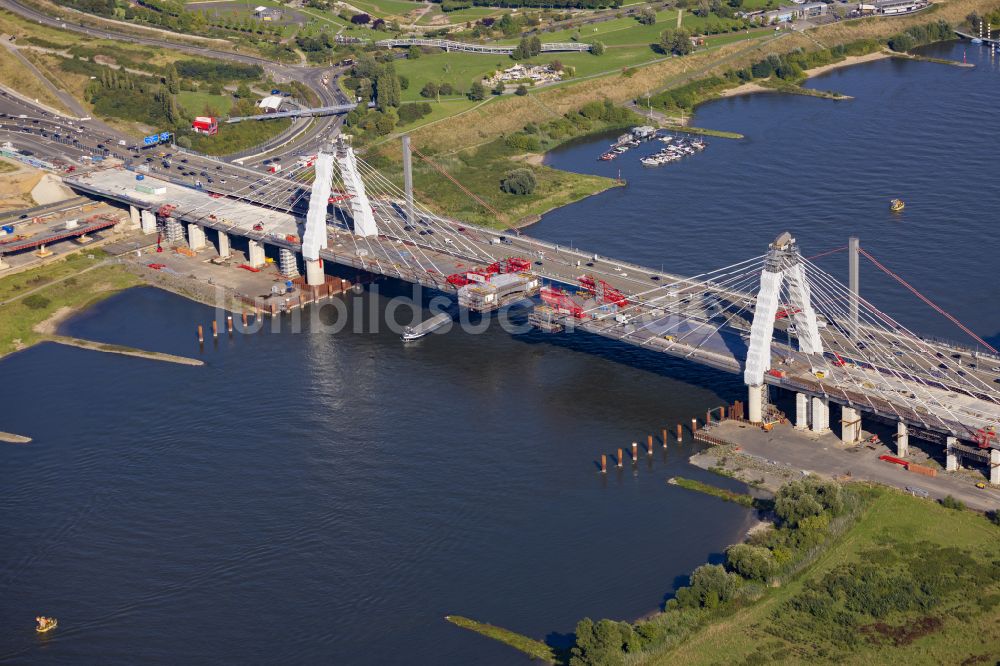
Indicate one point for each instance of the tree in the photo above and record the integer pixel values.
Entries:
(184, 141)
(799, 500)
(603, 643)
(361, 19)
(950, 502)
(519, 181)
(173, 81)
(387, 89)
(414, 52)
(647, 16)
(498, 89)
(710, 585)
(477, 92)
(597, 48)
(243, 91)
(751, 562)
(521, 91)
(430, 90)
(534, 46)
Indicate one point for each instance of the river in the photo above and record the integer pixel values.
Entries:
(329, 498)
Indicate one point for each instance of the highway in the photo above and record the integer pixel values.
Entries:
(307, 134)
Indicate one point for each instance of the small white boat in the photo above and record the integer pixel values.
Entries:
(418, 331)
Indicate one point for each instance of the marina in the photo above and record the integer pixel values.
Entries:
(675, 147)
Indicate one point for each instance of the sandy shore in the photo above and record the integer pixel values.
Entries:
(847, 62)
(51, 325)
(745, 89)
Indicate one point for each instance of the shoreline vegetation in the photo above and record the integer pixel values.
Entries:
(850, 570)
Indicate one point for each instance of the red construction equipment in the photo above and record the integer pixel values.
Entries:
(166, 210)
(895, 460)
(784, 313)
(984, 437)
(249, 268)
(604, 292)
(508, 265)
(561, 302)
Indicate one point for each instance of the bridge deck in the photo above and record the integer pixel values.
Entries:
(699, 333)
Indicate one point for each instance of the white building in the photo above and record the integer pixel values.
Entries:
(271, 103)
(519, 72)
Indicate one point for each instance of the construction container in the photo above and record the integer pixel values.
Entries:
(921, 469)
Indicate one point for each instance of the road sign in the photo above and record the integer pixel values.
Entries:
(151, 140)
(165, 136)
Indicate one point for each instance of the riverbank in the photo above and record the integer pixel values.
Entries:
(35, 302)
(11, 438)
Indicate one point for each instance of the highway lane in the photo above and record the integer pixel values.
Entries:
(329, 94)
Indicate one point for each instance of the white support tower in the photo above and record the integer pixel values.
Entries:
(314, 238)
(783, 261)
(361, 208)
(287, 265)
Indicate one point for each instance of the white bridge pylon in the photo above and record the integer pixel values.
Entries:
(783, 262)
(314, 238)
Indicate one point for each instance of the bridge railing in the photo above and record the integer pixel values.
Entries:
(469, 47)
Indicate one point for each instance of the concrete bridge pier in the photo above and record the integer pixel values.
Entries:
(755, 403)
(255, 254)
(995, 467)
(2, 264)
(950, 457)
(902, 440)
(196, 237)
(134, 217)
(850, 425)
(224, 250)
(801, 411)
(820, 414)
(148, 222)
(314, 272)
(174, 230)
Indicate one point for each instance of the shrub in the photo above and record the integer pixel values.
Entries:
(36, 302)
(603, 643)
(361, 19)
(518, 181)
(950, 502)
(522, 90)
(994, 517)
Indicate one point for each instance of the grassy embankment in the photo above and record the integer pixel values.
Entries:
(529, 646)
(75, 282)
(69, 60)
(909, 581)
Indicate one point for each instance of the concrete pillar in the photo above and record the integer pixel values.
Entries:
(255, 255)
(196, 237)
(224, 250)
(314, 272)
(2, 264)
(951, 458)
(820, 414)
(995, 467)
(801, 411)
(134, 217)
(853, 245)
(148, 222)
(174, 230)
(902, 440)
(755, 403)
(408, 178)
(850, 425)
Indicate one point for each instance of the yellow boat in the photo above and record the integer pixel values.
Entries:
(46, 624)
(896, 205)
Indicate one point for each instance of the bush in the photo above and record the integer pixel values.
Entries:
(994, 517)
(603, 643)
(361, 19)
(522, 90)
(950, 502)
(597, 48)
(36, 302)
(519, 182)
(411, 112)
(798, 500)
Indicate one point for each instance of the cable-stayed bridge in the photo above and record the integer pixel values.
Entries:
(777, 318)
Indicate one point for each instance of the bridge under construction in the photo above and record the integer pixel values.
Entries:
(777, 318)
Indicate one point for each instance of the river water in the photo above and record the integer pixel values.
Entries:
(330, 497)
